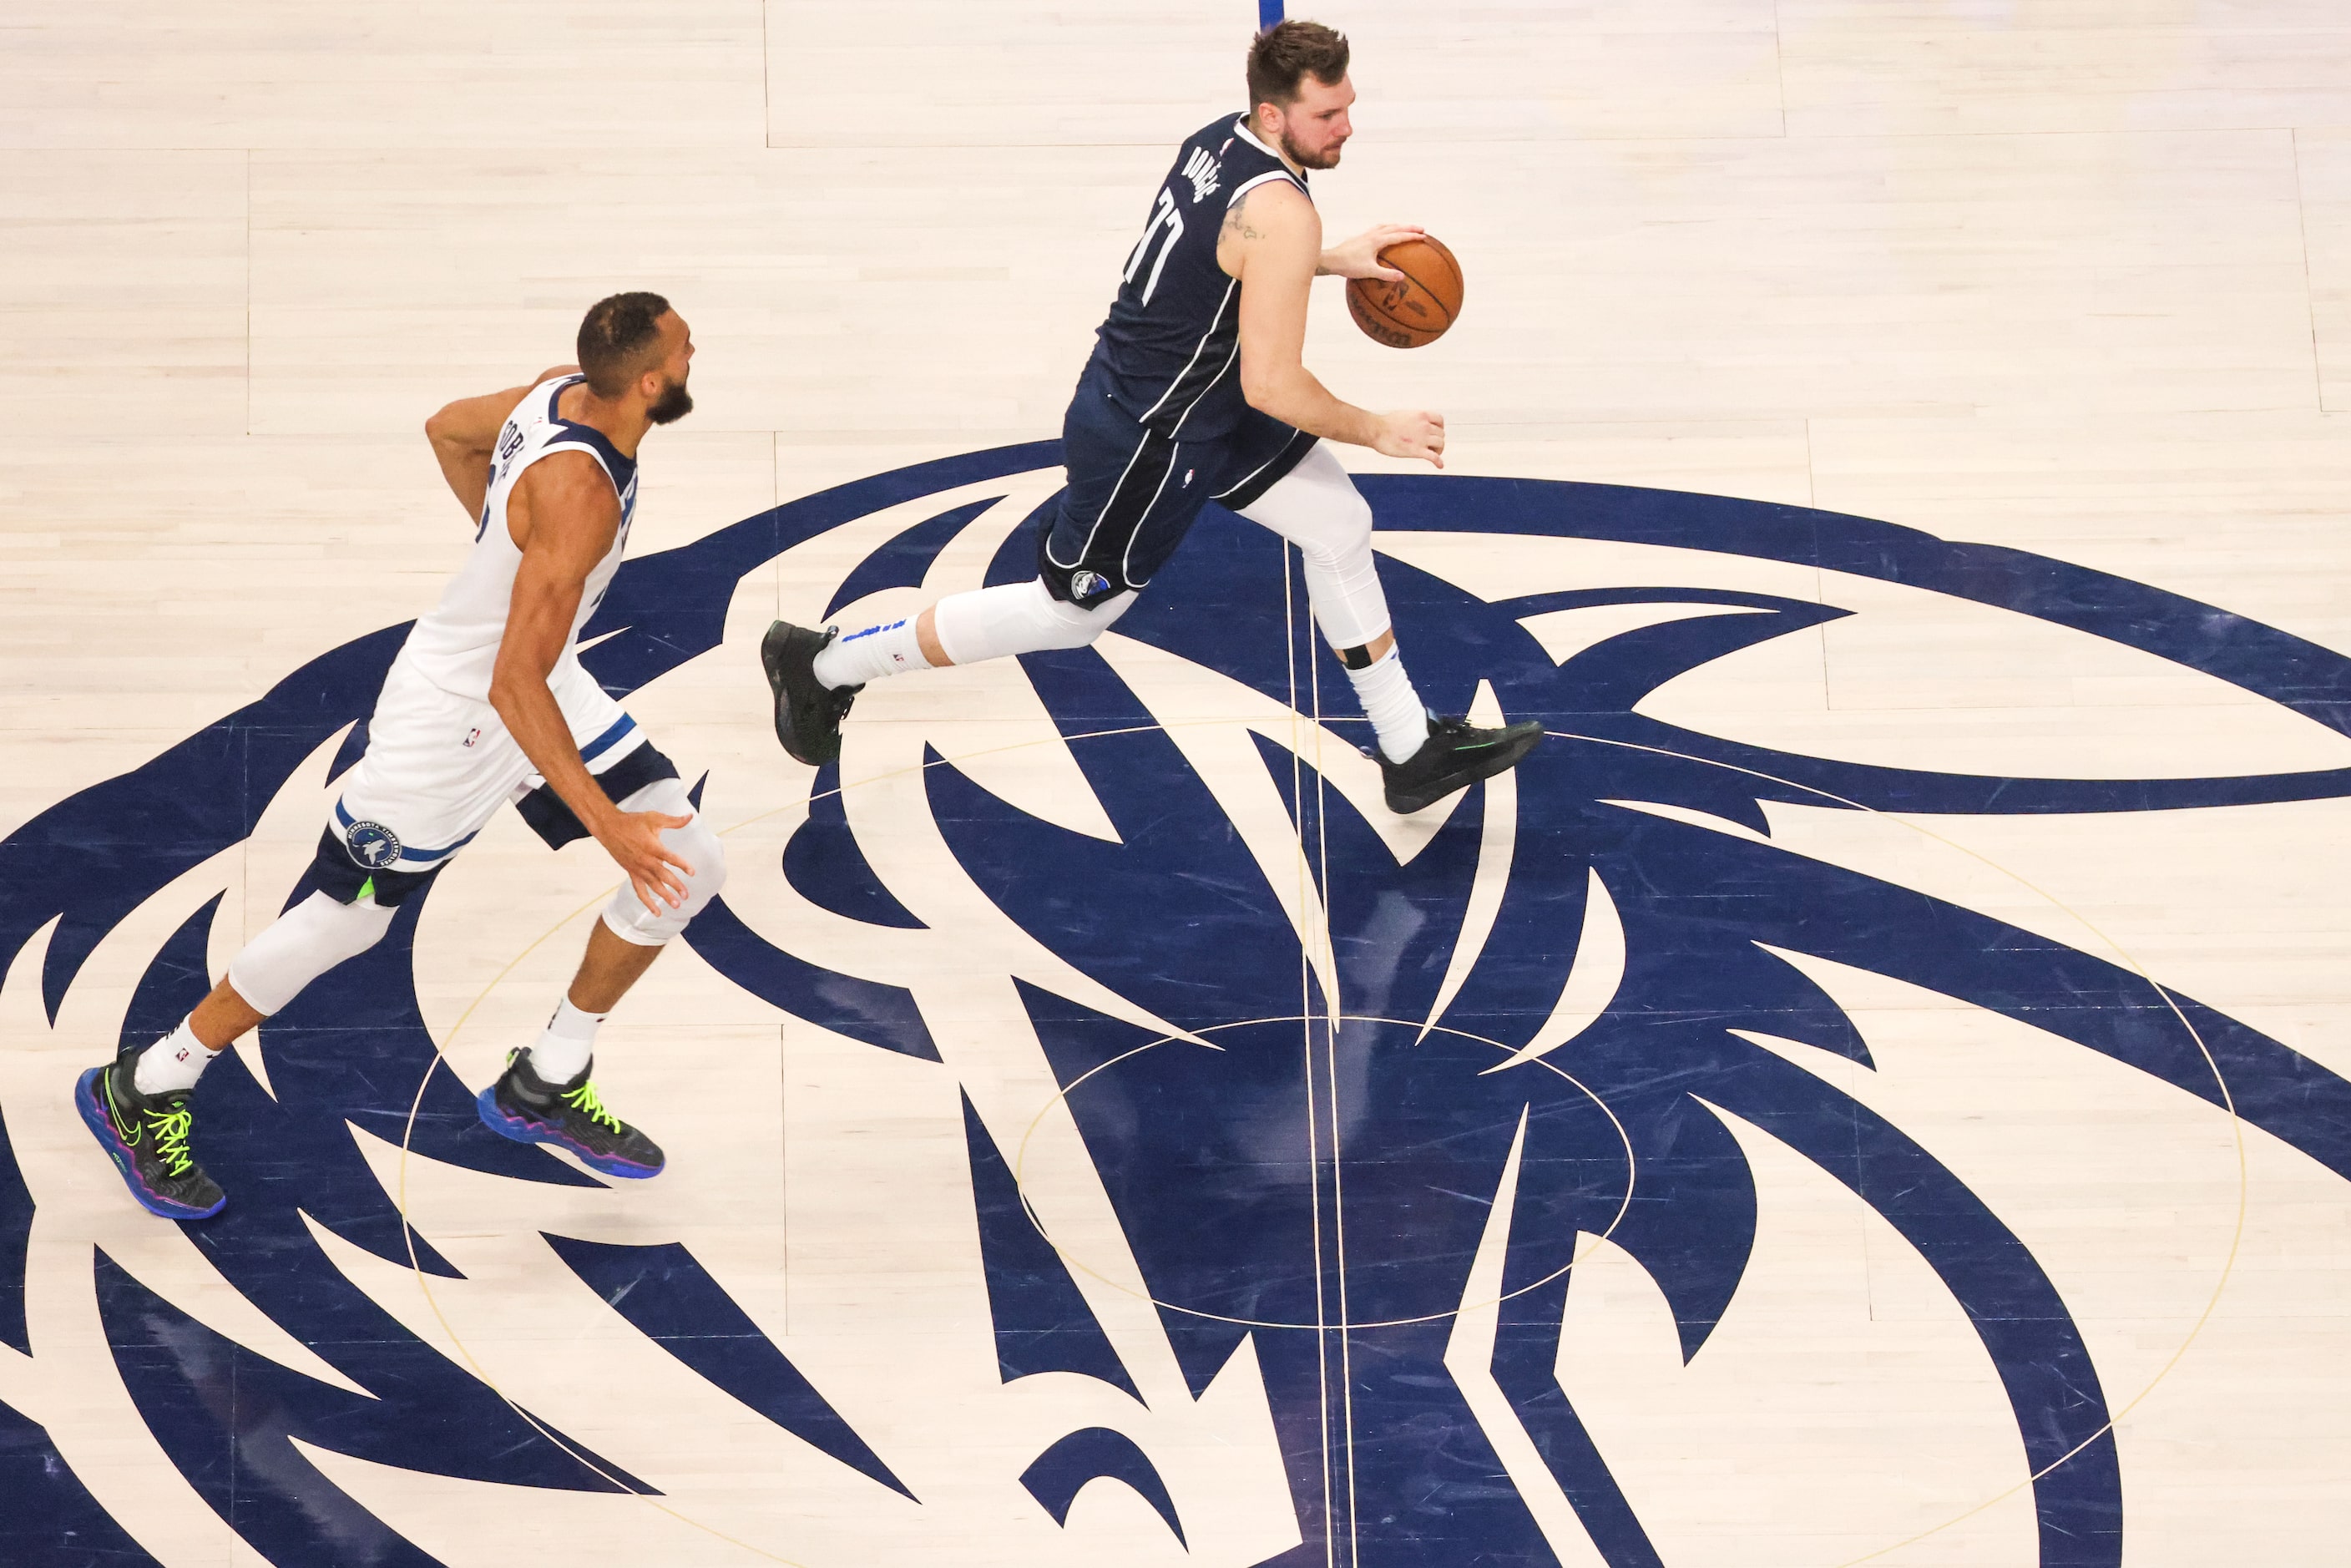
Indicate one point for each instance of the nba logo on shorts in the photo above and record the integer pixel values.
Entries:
(1085, 585)
(472, 736)
(373, 845)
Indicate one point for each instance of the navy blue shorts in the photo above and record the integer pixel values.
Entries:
(1133, 492)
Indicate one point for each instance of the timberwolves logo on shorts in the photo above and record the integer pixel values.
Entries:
(1098, 1130)
(373, 844)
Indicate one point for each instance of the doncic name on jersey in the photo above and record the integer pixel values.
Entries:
(1050, 924)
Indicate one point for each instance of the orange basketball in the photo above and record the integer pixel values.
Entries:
(1417, 310)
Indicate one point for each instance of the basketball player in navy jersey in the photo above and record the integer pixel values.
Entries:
(487, 703)
(1196, 392)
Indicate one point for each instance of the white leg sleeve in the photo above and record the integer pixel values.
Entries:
(693, 843)
(1317, 508)
(1019, 618)
(301, 945)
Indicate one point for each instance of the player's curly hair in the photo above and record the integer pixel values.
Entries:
(614, 336)
(1283, 55)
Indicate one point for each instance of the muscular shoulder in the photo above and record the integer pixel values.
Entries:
(564, 506)
(1272, 206)
(1273, 222)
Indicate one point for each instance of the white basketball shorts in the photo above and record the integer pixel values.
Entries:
(439, 765)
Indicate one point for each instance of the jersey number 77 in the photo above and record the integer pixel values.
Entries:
(1164, 215)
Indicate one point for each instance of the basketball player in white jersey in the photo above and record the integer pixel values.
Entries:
(1196, 392)
(486, 704)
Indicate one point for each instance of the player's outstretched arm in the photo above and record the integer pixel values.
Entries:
(464, 435)
(1273, 242)
(571, 517)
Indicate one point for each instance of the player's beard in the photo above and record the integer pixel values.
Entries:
(673, 405)
(1326, 159)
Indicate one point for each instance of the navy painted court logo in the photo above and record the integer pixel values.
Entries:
(1238, 1173)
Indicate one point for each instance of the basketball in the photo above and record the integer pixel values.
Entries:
(1417, 308)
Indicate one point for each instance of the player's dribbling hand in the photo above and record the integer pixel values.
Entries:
(1360, 256)
(633, 839)
(1414, 432)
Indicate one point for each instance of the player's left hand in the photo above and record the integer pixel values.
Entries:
(1360, 256)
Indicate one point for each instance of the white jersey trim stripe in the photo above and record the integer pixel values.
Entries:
(1126, 556)
(1219, 376)
(1108, 503)
(1246, 186)
(1242, 482)
(1241, 128)
(1202, 347)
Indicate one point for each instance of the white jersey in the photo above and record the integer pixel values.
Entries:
(457, 645)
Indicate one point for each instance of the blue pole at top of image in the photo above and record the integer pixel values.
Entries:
(1268, 12)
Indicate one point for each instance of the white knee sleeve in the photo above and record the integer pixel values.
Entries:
(1019, 618)
(1317, 508)
(301, 945)
(695, 845)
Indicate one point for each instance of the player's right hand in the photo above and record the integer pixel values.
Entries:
(1414, 433)
(633, 839)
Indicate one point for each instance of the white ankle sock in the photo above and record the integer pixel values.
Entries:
(562, 1050)
(861, 657)
(174, 1062)
(1393, 707)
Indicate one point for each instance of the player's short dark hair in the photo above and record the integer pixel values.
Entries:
(614, 336)
(1286, 52)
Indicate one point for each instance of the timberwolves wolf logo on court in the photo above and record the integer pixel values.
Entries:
(1100, 1130)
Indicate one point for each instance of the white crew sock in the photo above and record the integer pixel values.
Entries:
(1393, 707)
(868, 655)
(563, 1049)
(173, 1062)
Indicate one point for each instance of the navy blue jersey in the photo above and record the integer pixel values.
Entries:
(1171, 340)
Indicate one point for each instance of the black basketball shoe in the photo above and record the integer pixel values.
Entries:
(807, 712)
(1456, 755)
(146, 1136)
(525, 1107)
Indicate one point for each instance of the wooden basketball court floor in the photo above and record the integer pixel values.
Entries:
(1871, 1089)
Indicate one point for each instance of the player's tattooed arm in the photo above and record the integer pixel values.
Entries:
(1236, 224)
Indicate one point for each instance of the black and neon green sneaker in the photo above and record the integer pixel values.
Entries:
(146, 1136)
(1456, 755)
(525, 1107)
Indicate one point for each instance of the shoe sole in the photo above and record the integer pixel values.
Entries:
(101, 1127)
(524, 1131)
(1500, 760)
(771, 658)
